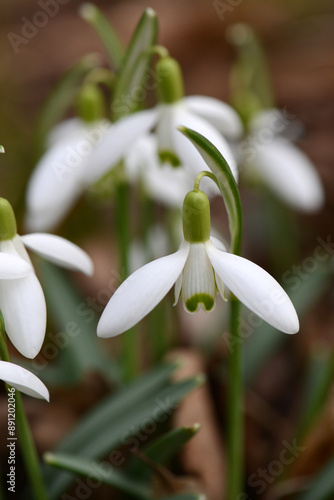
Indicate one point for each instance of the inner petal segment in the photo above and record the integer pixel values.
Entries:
(198, 284)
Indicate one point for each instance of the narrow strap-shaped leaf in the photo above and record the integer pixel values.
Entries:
(61, 98)
(78, 347)
(135, 65)
(226, 183)
(318, 383)
(121, 426)
(105, 31)
(105, 473)
(115, 406)
(163, 448)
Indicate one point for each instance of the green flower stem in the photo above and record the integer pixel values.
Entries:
(27, 445)
(235, 406)
(130, 349)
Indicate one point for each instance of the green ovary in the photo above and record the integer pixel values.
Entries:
(196, 300)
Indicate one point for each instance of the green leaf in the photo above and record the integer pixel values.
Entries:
(78, 346)
(265, 339)
(135, 65)
(322, 486)
(225, 180)
(120, 416)
(318, 382)
(61, 98)
(105, 473)
(105, 31)
(163, 449)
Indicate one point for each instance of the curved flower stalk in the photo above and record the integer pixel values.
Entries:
(23, 380)
(21, 296)
(200, 269)
(208, 116)
(268, 156)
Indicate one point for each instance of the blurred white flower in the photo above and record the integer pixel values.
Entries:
(59, 177)
(267, 155)
(206, 115)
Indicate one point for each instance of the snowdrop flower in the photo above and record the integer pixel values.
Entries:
(200, 269)
(21, 297)
(59, 177)
(206, 115)
(23, 380)
(162, 182)
(273, 159)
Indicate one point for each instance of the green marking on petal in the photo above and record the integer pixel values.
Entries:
(170, 157)
(7, 221)
(200, 298)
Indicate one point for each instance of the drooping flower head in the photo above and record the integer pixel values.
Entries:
(200, 269)
(21, 296)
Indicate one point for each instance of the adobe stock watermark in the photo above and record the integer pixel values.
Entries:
(31, 27)
(276, 122)
(225, 7)
(265, 476)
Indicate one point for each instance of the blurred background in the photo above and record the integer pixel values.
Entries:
(298, 38)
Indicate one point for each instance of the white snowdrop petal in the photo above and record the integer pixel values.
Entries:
(253, 286)
(24, 310)
(13, 266)
(57, 182)
(198, 282)
(177, 289)
(269, 121)
(140, 293)
(290, 174)
(188, 153)
(218, 113)
(116, 140)
(60, 251)
(23, 380)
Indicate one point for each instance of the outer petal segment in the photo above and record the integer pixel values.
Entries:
(290, 174)
(187, 151)
(218, 113)
(13, 267)
(56, 182)
(60, 251)
(141, 292)
(23, 380)
(116, 141)
(23, 306)
(255, 288)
